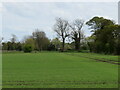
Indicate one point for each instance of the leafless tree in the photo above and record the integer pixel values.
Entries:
(76, 32)
(61, 27)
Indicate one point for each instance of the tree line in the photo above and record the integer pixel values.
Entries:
(104, 39)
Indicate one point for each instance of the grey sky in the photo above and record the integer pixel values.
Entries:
(23, 18)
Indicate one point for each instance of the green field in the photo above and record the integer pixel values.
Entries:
(59, 70)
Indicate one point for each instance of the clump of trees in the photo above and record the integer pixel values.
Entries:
(12, 44)
(38, 41)
(104, 39)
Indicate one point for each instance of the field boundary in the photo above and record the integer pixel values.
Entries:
(101, 60)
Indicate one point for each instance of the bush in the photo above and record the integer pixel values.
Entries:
(27, 48)
(51, 47)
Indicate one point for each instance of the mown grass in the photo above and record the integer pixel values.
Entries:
(98, 56)
(57, 70)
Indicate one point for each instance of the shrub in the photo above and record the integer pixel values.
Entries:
(51, 47)
(27, 48)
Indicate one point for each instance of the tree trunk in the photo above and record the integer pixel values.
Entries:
(77, 44)
(63, 44)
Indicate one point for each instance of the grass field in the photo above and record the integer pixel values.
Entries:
(59, 70)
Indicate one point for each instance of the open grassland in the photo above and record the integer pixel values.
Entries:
(59, 70)
(99, 57)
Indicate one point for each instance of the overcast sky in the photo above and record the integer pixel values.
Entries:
(22, 18)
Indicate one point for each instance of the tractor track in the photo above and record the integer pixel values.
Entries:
(101, 60)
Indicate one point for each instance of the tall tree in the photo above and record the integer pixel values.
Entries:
(103, 37)
(113, 38)
(61, 27)
(76, 33)
(98, 23)
(40, 39)
(13, 40)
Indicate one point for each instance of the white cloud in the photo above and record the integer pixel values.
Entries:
(59, 0)
(23, 18)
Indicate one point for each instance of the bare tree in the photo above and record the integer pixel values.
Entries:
(76, 32)
(61, 27)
